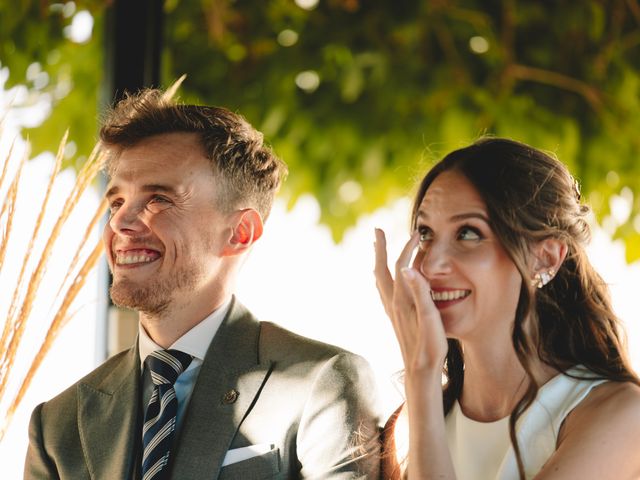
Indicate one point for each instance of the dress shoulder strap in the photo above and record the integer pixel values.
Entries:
(537, 430)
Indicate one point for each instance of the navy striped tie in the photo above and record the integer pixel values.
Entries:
(160, 418)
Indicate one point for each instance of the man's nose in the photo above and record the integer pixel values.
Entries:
(129, 219)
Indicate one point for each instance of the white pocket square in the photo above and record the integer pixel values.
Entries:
(236, 455)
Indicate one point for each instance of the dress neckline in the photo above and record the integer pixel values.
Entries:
(548, 384)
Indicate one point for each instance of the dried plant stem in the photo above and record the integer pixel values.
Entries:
(94, 221)
(5, 166)
(171, 91)
(60, 319)
(13, 186)
(36, 229)
(11, 200)
(8, 207)
(86, 174)
(23, 304)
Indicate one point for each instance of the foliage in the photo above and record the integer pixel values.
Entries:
(359, 96)
(34, 45)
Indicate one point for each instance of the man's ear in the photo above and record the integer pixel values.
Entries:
(247, 228)
(548, 255)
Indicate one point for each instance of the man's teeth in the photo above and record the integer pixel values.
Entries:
(449, 295)
(129, 259)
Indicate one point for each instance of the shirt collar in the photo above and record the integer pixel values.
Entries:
(195, 342)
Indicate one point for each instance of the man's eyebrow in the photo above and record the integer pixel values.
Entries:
(152, 187)
(112, 191)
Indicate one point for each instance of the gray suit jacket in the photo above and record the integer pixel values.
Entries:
(259, 384)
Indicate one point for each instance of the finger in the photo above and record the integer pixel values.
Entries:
(407, 252)
(384, 281)
(402, 294)
(428, 320)
(420, 292)
(403, 317)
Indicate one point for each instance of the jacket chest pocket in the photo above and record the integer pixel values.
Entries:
(260, 467)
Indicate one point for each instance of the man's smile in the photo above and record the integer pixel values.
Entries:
(135, 256)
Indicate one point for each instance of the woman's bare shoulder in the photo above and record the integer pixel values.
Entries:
(600, 436)
(608, 405)
(610, 400)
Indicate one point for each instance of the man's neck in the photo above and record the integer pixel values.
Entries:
(176, 320)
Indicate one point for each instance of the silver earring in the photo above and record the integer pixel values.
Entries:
(540, 279)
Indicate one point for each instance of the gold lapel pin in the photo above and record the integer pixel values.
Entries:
(230, 397)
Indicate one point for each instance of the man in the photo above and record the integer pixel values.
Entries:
(189, 189)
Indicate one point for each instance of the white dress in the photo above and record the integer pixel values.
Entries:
(483, 451)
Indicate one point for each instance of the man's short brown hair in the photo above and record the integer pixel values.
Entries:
(250, 172)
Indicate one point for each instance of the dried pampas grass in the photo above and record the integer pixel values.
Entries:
(25, 292)
(29, 279)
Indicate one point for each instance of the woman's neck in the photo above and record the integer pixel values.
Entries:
(495, 381)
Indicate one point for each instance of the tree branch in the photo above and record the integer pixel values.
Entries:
(555, 79)
(635, 9)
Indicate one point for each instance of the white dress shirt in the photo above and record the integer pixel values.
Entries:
(196, 343)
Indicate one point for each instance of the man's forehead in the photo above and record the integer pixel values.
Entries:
(151, 169)
(124, 175)
(159, 166)
(147, 175)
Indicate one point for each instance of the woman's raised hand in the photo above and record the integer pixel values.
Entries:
(407, 301)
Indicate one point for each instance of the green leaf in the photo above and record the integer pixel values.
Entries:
(400, 85)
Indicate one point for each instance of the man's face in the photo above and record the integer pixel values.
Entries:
(165, 235)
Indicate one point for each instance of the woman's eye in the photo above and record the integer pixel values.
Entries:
(425, 234)
(468, 233)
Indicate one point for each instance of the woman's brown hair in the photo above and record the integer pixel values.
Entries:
(531, 196)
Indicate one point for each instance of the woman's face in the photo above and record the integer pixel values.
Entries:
(474, 283)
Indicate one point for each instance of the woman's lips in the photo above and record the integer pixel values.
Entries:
(446, 297)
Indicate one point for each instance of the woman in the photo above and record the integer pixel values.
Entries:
(502, 299)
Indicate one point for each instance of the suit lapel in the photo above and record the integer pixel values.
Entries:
(230, 379)
(107, 419)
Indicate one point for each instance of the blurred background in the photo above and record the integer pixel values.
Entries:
(358, 97)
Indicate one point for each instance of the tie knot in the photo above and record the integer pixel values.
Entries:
(167, 365)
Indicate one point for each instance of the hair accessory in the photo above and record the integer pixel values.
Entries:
(540, 279)
(576, 189)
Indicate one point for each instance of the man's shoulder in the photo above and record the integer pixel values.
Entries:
(286, 350)
(278, 342)
(103, 377)
(314, 364)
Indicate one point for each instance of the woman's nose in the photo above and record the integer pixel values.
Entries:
(434, 260)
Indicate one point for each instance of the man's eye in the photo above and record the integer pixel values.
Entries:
(115, 205)
(157, 203)
(469, 233)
